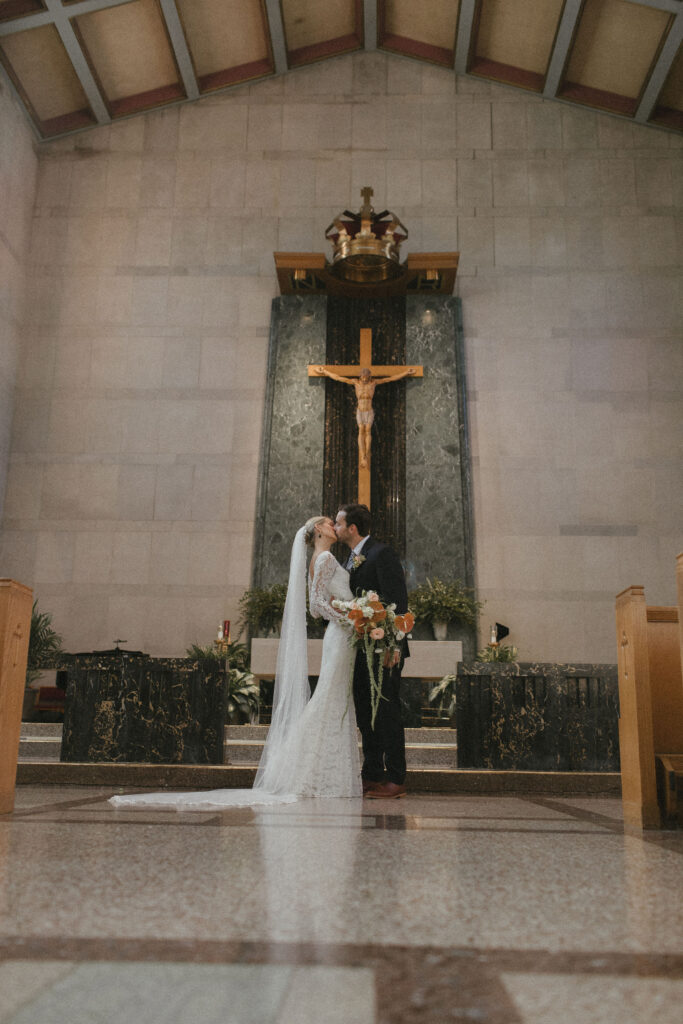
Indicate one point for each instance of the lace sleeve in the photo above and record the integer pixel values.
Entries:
(319, 590)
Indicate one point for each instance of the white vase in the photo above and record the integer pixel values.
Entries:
(440, 629)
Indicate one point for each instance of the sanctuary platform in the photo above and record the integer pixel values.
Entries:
(431, 754)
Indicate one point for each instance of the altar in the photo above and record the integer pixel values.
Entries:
(429, 659)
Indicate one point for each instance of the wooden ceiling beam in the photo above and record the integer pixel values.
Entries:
(278, 40)
(660, 71)
(463, 38)
(180, 48)
(566, 30)
(370, 24)
(8, 28)
(61, 18)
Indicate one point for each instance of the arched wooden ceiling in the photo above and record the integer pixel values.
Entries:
(79, 63)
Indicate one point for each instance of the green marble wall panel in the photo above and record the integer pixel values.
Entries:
(292, 454)
(438, 493)
(438, 511)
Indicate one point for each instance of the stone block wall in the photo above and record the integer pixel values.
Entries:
(135, 448)
(18, 165)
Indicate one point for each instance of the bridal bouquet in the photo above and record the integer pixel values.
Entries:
(377, 629)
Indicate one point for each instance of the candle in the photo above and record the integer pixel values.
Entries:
(226, 629)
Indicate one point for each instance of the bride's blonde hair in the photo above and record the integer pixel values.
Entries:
(309, 528)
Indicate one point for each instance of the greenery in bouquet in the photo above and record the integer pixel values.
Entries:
(243, 689)
(44, 645)
(439, 600)
(377, 628)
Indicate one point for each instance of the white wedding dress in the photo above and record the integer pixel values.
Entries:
(312, 745)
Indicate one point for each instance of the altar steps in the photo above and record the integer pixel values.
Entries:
(39, 765)
(425, 748)
(40, 741)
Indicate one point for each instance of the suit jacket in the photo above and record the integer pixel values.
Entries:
(381, 571)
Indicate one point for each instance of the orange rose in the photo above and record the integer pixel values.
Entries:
(355, 615)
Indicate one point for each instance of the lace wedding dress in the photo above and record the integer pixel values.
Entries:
(312, 745)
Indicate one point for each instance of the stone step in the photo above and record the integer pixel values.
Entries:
(420, 780)
(259, 732)
(41, 741)
(31, 729)
(426, 755)
(40, 748)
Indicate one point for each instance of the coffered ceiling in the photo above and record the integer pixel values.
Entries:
(79, 63)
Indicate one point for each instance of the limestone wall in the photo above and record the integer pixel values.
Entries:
(135, 451)
(18, 165)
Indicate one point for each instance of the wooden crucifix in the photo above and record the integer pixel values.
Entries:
(364, 378)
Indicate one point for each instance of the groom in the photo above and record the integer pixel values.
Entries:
(374, 566)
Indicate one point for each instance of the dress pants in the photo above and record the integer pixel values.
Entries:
(384, 746)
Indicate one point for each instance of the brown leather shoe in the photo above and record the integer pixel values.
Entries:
(369, 785)
(386, 791)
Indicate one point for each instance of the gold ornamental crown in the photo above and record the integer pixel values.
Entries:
(366, 244)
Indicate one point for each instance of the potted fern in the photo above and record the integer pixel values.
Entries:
(438, 602)
(262, 608)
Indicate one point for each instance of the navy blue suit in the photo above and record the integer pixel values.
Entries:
(384, 746)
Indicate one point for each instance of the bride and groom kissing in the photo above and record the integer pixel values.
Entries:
(311, 750)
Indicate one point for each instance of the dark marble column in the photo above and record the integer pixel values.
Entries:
(292, 452)
(438, 494)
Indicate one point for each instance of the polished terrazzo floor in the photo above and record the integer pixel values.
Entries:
(505, 910)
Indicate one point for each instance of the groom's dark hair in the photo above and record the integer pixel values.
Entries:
(358, 516)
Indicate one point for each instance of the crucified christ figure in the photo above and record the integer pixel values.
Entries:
(364, 387)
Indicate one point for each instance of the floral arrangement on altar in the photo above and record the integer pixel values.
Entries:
(377, 629)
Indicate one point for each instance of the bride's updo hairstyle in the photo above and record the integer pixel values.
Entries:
(309, 528)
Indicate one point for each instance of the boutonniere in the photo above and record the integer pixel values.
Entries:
(357, 561)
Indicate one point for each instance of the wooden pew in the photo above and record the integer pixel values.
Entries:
(15, 627)
(649, 646)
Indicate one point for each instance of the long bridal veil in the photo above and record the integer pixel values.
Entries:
(291, 694)
(292, 691)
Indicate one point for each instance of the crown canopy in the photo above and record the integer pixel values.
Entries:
(366, 244)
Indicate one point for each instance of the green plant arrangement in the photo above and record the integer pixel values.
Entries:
(44, 645)
(243, 689)
(500, 653)
(261, 609)
(437, 600)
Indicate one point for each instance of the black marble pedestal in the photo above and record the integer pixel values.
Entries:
(128, 708)
(539, 717)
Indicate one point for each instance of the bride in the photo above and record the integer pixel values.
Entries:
(312, 748)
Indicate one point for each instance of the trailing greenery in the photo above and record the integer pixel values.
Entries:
(444, 693)
(437, 600)
(44, 645)
(261, 609)
(243, 689)
(500, 653)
